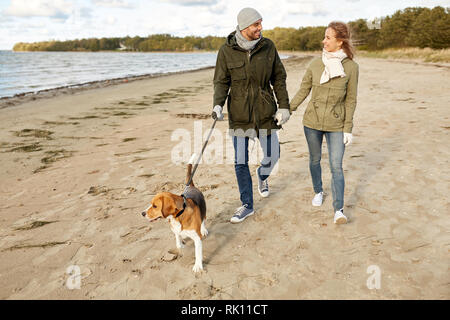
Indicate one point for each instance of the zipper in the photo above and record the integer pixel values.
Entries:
(249, 54)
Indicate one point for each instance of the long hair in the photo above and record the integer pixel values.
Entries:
(343, 34)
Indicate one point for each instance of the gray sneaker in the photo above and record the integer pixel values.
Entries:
(263, 186)
(241, 214)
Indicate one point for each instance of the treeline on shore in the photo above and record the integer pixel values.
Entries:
(411, 27)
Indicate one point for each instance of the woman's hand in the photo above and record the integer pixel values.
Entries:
(348, 137)
(282, 116)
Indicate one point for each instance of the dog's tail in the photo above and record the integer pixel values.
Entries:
(189, 169)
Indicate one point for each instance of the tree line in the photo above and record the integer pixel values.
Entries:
(411, 27)
(158, 42)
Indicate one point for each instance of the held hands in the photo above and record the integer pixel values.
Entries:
(217, 113)
(282, 116)
(348, 137)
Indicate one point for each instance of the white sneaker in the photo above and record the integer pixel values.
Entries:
(339, 217)
(318, 199)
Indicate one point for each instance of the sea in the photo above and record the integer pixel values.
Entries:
(31, 72)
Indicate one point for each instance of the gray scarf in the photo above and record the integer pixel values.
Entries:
(244, 43)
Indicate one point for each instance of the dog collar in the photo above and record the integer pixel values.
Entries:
(184, 206)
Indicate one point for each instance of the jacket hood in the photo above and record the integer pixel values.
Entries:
(231, 39)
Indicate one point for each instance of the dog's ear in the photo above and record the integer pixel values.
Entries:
(169, 206)
(158, 203)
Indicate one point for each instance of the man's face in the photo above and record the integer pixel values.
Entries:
(253, 32)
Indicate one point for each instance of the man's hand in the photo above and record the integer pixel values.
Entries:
(348, 137)
(217, 113)
(282, 116)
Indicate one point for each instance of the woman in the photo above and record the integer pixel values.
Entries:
(333, 79)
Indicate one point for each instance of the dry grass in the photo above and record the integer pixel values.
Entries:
(34, 225)
(40, 245)
(426, 54)
(36, 133)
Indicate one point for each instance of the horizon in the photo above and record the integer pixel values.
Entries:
(63, 20)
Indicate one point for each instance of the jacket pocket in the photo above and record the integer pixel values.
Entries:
(340, 111)
(237, 70)
(238, 108)
(310, 115)
(267, 105)
(336, 115)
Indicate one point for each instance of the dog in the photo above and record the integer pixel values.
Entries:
(186, 215)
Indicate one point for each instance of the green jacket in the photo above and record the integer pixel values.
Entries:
(332, 104)
(244, 79)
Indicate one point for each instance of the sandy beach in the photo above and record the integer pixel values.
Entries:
(79, 167)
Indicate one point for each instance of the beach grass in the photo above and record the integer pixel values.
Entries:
(425, 54)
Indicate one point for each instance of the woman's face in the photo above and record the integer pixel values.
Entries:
(330, 43)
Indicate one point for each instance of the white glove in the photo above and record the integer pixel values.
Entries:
(348, 137)
(282, 116)
(217, 113)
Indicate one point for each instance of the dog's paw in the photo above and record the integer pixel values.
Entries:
(204, 232)
(197, 268)
(180, 245)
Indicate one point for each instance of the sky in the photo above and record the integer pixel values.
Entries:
(41, 20)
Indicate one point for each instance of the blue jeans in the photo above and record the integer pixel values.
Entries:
(271, 149)
(336, 150)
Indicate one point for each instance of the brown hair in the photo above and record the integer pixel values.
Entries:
(343, 34)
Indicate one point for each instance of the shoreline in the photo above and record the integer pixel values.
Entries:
(24, 97)
(19, 98)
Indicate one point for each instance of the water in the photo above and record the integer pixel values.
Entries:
(22, 72)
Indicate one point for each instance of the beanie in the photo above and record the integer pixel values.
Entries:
(247, 17)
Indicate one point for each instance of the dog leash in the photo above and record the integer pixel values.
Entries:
(195, 169)
(201, 154)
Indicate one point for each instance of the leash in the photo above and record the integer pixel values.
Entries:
(195, 168)
(201, 154)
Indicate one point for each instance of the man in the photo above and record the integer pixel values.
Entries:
(248, 71)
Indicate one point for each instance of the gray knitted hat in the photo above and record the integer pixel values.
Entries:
(247, 17)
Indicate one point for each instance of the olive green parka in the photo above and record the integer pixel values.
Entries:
(333, 103)
(248, 81)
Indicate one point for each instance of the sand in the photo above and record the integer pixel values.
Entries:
(77, 170)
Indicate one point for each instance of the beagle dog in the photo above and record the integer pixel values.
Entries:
(186, 215)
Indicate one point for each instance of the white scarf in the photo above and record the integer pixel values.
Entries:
(333, 65)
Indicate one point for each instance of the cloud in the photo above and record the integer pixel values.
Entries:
(193, 2)
(85, 13)
(56, 9)
(218, 7)
(305, 8)
(110, 20)
(113, 4)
